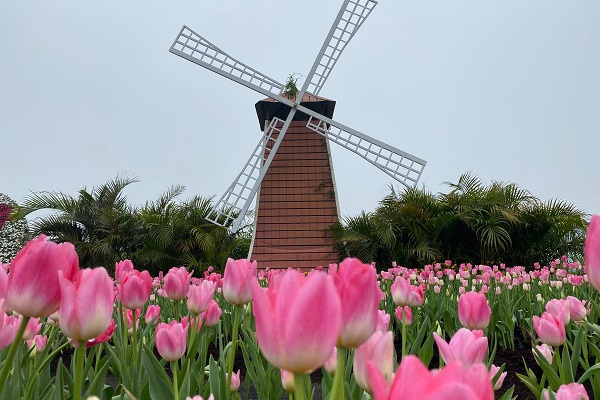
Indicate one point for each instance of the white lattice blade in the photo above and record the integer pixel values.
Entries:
(400, 165)
(351, 16)
(200, 51)
(240, 193)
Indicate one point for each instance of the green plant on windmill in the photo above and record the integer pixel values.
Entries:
(290, 89)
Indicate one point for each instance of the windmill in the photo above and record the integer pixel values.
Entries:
(290, 168)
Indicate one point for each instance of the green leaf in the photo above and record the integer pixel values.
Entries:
(160, 384)
(589, 373)
(97, 385)
(531, 385)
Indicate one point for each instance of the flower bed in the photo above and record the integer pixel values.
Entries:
(177, 335)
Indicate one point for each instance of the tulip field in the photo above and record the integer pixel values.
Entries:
(429, 333)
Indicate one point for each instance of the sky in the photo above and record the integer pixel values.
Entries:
(509, 90)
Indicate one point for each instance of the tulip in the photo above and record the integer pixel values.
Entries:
(212, 314)
(298, 320)
(577, 309)
(86, 305)
(546, 351)
(135, 289)
(177, 283)
(379, 350)
(413, 381)
(572, 391)
(550, 329)
(31, 329)
(235, 382)
(287, 380)
(122, 269)
(238, 279)
(493, 372)
(8, 329)
(38, 342)
(105, 337)
(559, 308)
(592, 252)
(152, 314)
(467, 347)
(383, 321)
(356, 284)
(474, 311)
(200, 296)
(404, 315)
(33, 287)
(416, 296)
(171, 340)
(331, 362)
(401, 292)
(198, 397)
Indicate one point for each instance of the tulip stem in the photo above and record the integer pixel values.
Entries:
(234, 337)
(134, 335)
(11, 352)
(299, 387)
(79, 358)
(403, 333)
(175, 381)
(338, 391)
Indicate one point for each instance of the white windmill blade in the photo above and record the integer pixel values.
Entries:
(400, 165)
(198, 50)
(236, 201)
(351, 16)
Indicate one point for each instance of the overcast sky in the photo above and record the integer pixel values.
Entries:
(508, 89)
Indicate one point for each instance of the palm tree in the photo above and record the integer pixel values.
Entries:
(99, 223)
(473, 222)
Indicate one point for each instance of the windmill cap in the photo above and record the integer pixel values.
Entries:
(269, 108)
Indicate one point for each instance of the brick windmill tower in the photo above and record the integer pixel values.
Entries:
(290, 171)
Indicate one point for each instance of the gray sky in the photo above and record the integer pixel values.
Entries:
(508, 89)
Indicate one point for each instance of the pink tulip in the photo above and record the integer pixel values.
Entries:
(8, 329)
(287, 380)
(474, 311)
(493, 372)
(467, 347)
(572, 391)
(331, 362)
(378, 350)
(135, 289)
(33, 286)
(177, 283)
(416, 297)
(235, 381)
(559, 308)
(401, 292)
(592, 252)
(86, 305)
(298, 320)
(549, 329)
(38, 342)
(32, 328)
(200, 296)
(198, 397)
(238, 279)
(546, 351)
(356, 284)
(413, 381)
(152, 314)
(104, 337)
(404, 315)
(171, 340)
(577, 309)
(211, 316)
(122, 269)
(383, 321)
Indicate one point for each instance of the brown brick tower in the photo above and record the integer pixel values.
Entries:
(296, 203)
